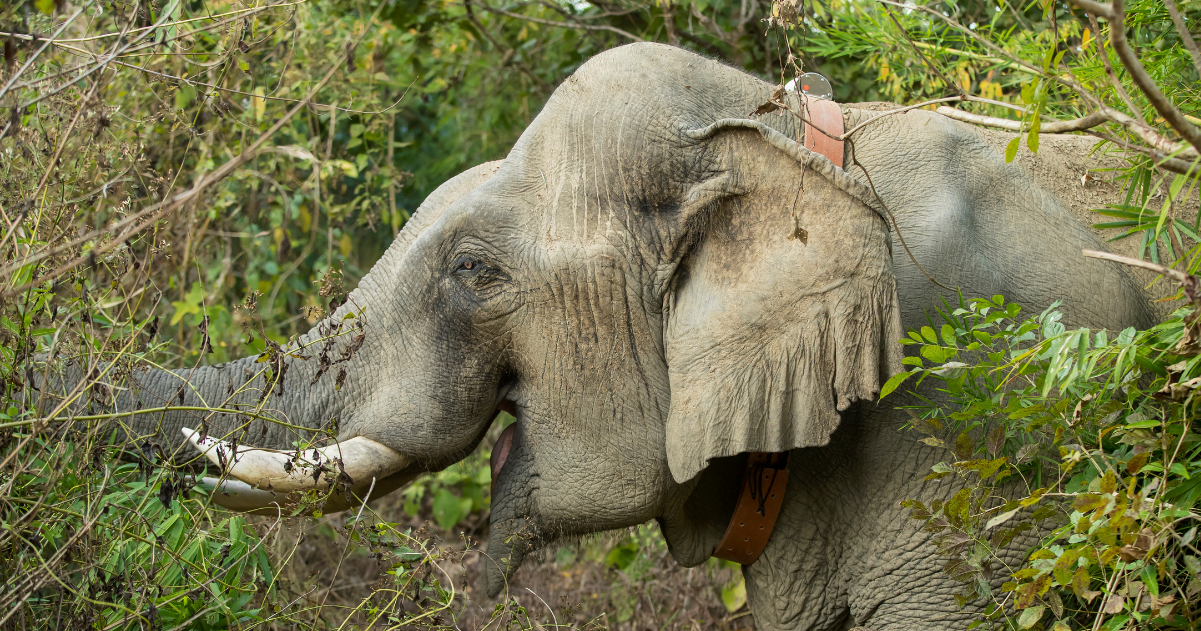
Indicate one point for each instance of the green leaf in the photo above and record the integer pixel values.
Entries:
(1028, 92)
(243, 65)
(182, 309)
(733, 596)
(1011, 150)
(622, 555)
(1030, 616)
(449, 509)
(928, 333)
(45, 6)
(1032, 135)
(938, 354)
(184, 95)
(893, 383)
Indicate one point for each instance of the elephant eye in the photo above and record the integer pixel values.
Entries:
(468, 265)
(473, 270)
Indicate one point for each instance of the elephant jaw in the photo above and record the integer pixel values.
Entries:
(512, 534)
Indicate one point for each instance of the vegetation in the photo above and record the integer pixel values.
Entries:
(186, 181)
(1085, 441)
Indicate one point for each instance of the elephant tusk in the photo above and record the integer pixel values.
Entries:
(270, 471)
(239, 496)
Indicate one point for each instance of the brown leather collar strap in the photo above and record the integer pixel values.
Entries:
(759, 502)
(826, 116)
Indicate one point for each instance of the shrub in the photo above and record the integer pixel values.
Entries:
(1086, 440)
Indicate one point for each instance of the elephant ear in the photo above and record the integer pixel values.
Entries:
(784, 310)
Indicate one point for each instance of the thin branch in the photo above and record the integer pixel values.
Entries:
(1096, 8)
(572, 24)
(103, 63)
(1085, 124)
(1047, 127)
(262, 96)
(1113, 76)
(900, 110)
(1117, 38)
(1148, 135)
(509, 52)
(1125, 260)
(1185, 36)
(147, 217)
(45, 43)
(974, 36)
(946, 80)
(726, 37)
(241, 13)
(1163, 160)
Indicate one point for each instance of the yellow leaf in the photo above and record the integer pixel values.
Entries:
(345, 244)
(1086, 38)
(306, 218)
(260, 104)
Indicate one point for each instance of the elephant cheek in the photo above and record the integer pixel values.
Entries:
(500, 452)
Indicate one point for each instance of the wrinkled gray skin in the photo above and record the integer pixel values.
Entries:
(626, 282)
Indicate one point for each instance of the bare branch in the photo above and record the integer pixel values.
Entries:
(572, 24)
(1149, 135)
(1048, 126)
(1113, 76)
(1096, 8)
(509, 52)
(45, 44)
(1125, 260)
(1117, 38)
(136, 223)
(1163, 160)
(1185, 36)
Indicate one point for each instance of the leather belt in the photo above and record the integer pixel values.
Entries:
(759, 503)
(826, 116)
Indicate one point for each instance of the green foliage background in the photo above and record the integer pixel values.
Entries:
(136, 103)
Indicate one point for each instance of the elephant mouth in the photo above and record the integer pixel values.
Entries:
(500, 451)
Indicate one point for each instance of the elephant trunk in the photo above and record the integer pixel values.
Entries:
(257, 417)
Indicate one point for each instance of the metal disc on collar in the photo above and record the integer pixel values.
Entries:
(812, 84)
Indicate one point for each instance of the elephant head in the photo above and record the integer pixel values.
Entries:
(650, 287)
(651, 281)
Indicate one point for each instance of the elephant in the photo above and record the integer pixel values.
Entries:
(656, 282)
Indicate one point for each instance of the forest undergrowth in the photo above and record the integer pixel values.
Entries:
(184, 182)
